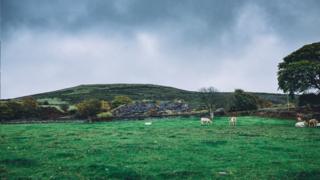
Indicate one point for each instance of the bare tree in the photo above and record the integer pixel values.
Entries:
(209, 99)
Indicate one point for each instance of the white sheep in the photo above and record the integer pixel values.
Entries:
(301, 124)
(205, 120)
(147, 123)
(233, 121)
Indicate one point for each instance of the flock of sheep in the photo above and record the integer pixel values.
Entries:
(306, 123)
(205, 120)
(233, 121)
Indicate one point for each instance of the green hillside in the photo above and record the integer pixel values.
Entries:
(138, 92)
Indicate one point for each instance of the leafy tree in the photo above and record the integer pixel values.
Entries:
(242, 101)
(209, 98)
(30, 106)
(300, 71)
(89, 108)
(121, 100)
(105, 106)
(30, 103)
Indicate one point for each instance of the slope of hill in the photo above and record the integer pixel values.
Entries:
(140, 92)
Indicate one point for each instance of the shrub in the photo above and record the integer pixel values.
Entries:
(30, 106)
(242, 101)
(88, 108)
(105, 106)
(121, 100)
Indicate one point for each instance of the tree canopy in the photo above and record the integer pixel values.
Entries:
(242, 101)
(121, 100)
(300, 71)
(209, 97)
(89, 108)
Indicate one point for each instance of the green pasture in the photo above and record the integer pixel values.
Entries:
(175, 148)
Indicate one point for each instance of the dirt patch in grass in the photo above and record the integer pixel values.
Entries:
(19, 162)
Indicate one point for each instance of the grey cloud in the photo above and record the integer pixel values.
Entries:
(121, 15)
(48, 45)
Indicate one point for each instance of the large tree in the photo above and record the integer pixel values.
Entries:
(89, 108)
(121, 100)
(209, 98)
(300, 71)
(242, 101)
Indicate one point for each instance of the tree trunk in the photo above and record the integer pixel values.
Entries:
(89, 119)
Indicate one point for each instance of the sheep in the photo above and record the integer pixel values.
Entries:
(301, 124)
(205, 120)
(147, 123)
(313, 123)
(233, 121)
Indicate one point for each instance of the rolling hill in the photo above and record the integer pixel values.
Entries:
(140, 92)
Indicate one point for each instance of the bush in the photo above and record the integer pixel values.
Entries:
(242, 101)
(105, 106)
(121, 100)
(88, 108)
(30, 106)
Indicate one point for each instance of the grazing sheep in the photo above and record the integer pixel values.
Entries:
(301, 124)
(233, 121)
(313, 123)
(205, 120)
(318, 124)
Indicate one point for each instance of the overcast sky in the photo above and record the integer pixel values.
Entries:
(54, 44)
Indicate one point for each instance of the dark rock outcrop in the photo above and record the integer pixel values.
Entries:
(151, 109)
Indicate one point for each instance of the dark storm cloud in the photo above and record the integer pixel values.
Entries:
(53, 44)
(118, 15)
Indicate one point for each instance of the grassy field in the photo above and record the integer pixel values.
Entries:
(177, 148)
